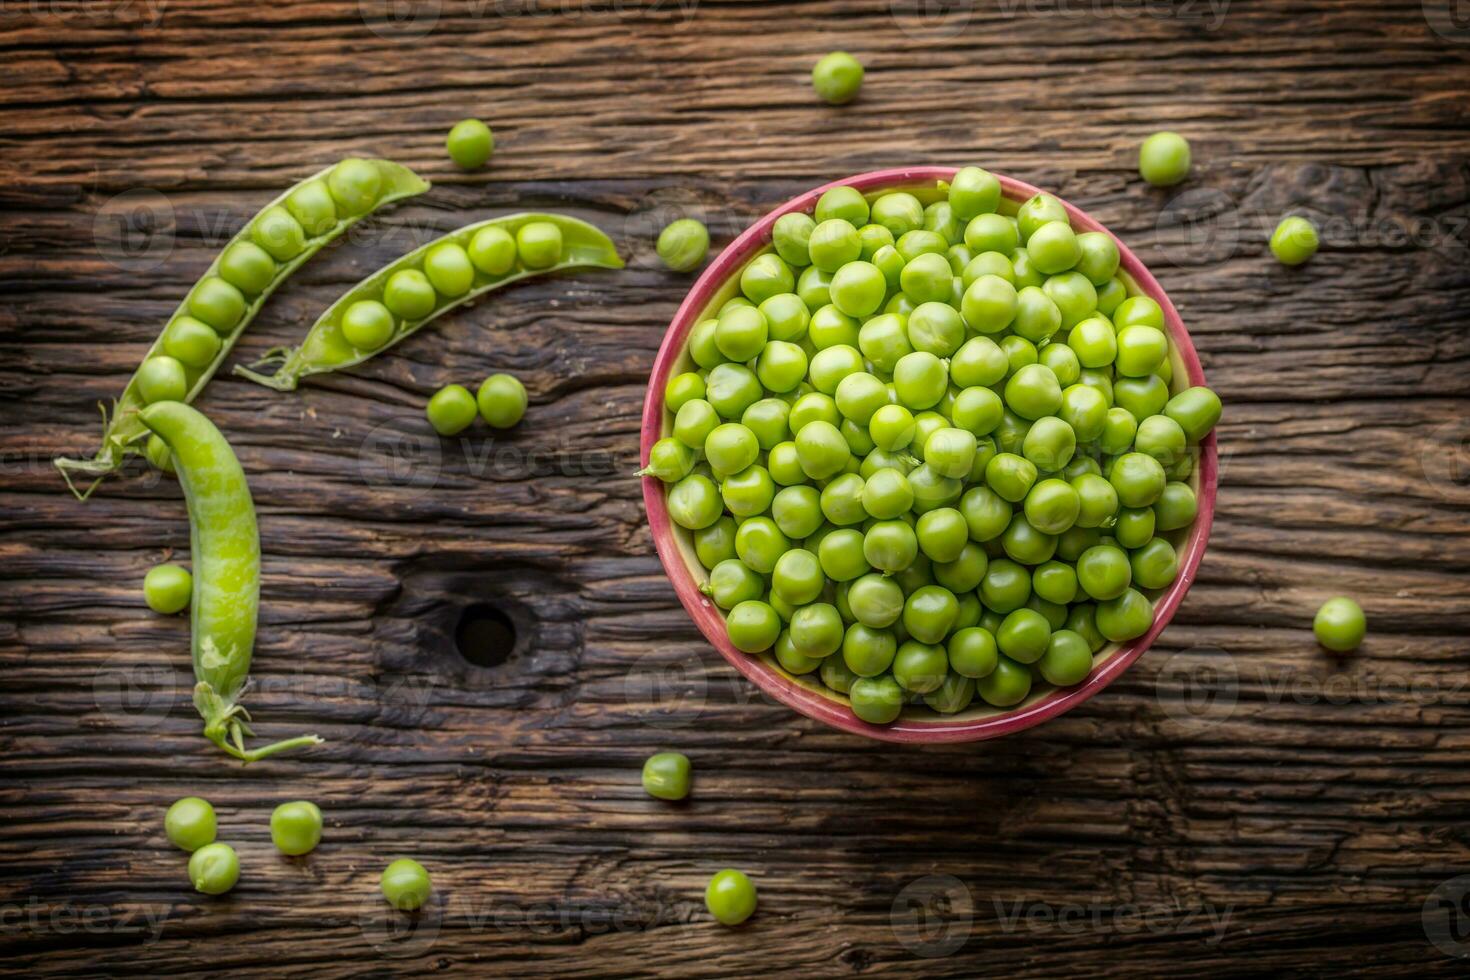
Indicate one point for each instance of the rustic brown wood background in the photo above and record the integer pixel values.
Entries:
(1239, 803)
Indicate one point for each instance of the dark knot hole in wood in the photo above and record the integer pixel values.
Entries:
(485, 635)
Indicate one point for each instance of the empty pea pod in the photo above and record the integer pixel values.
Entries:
(199, 335)
(417, 288)
(224, 547)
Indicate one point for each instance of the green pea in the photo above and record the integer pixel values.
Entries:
(1082, 620)
(666, 776)
(1037, 211)
(942, 534)
(759, 542)
(1125, 618)
(1010, 476)
(953, 695)
(367, 324)
(1006, 685)
(501, 400)
(991, 233)
(1053, 248)
(1027, 545)
(731, 389)
(898, 212)
(972, 652)
(1097, 257)
(836, 675)
(694, 502)
(214, 869)
(830, 327)
(858, 288)
(1340, 624)
(409, 294)
(920, 668)
(837, 77)
(217, 303)
(766, 276)
(162, 379)
(191, 342)
(790, 235)
(730, 448)
(406, 884)
(842, 202)
(1175, 508)
(876, 700)
(683, 388)
(247, 267)
(451, 410)
(753, 626)
(1294, 241)
(669, 460)
(1110, 295)
(539, 244)
(786, 316)
(1067, 660)
(876, 601)
(1006, 586)
(355, 185)
(715, 543)
(1055, 581)
(1075, 297)
(817, 630)
(1155, 564)
(833, 244)
(1197, 410)
(190, 823)
(296, 828)
(493, 251)
(449, 269)
(311, 204)
(814, 285)
(1104, 572)
(1160, 437)
(989, 304)
(798, 577)
(470, 144)
(964, 574)
(768, 419)
(167, 588)
(1134, 528)
(279, 234)
(1163, 159)
(1138, 479)
(928, 614)
(973, 192)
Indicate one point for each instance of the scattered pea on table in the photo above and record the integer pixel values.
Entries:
(167, 588)
(406, 884)
(837, 77)
(1164, 159)
(1294, 241)
(501, 400)
(730, 897)
(470, 144)
(1340, 624)
(666, 776)
(190, 823)
(214, 869)
(296, 827)
(451, 410)
(683, 244)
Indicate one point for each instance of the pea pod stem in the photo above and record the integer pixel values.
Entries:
(122, 431)
(225, 548)
(326, 349)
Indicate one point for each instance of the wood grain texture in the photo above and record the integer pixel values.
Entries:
(1238, 804)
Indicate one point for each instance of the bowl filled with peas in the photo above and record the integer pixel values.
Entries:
(929, 455)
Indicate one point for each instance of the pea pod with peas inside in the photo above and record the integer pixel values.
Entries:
(199, 335)
(225, 550)
(417, 288)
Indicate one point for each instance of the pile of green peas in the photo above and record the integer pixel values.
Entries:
(929, 452)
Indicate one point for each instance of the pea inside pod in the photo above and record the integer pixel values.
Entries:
(421, 286)
(201, 332)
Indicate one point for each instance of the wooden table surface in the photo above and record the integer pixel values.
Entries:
(1239, 803)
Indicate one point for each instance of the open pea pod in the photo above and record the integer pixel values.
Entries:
(272, 245)
(428, 282)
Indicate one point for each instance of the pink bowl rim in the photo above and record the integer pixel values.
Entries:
(766, 677)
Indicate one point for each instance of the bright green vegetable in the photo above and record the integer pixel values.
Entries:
(837, 78)
(451, 410)
(166, 588)
(1294, 240)
(470, 144)
(225, 551)
(406, 885)
(232, 291)
(502, 250)
(190, 823)
(296, 828)
(1163, 159)
(666, 776)
(730, 897)
(214, 869)
(923, 473)
(501, 400)
(1340, 624)
(683, 244)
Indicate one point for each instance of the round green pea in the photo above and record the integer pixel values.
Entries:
(1294, 241)
(683, 244)
(191, 342)
(214, 869)
(1067, 660)
(470, 144)
(449, 269)
(367, 324)
(1340, 624)
(493, 251)
(837, 77)
(406, 885)
(451, 410)
(501, 400)
(973, 192)
(790, 235)
(190, 823)
(217, 303)
(876, 700)
(167, 589)
(1006, 685)
(279, 234)
(920, 668)
(666, 776)
(247, 267)
(161, 379)
(539, 244)
(752, 626)
(312, 205)
(730, 897)
(296, 828)
(1163, 159)
(355, 185)
(409, 294)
